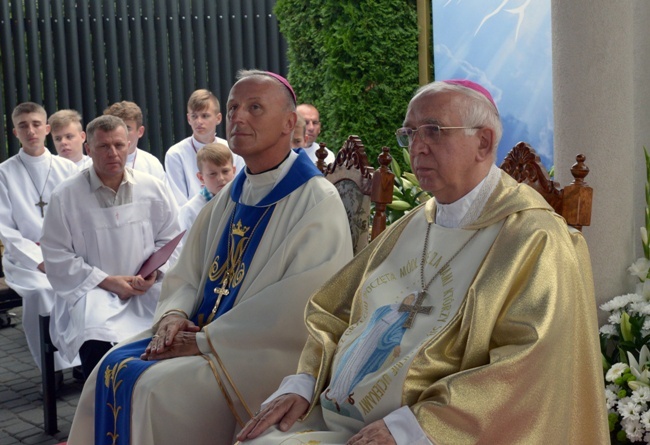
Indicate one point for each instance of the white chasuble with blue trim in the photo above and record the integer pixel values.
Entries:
(120, 369)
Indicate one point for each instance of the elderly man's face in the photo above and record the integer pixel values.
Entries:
(446, 166)
(258, 125)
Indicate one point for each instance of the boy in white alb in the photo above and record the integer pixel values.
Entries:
(203, 115)
(216, 169)
(26, 183)
(69, 137)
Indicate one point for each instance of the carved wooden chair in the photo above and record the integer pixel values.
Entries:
(573, 202)
(359, 184)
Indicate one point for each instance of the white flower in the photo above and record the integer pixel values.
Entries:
(615, 371)
(645, 419)
(621, 301)
(644, 236)
(640, 308)
(641, 395)
(633, 429)
(639, 369)
(611, 398)
(615, 318)
(628, 409)
(640, 268)
(610, 329)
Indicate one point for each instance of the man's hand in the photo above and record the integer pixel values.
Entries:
(285, 410)
(377, 433)
(41, 266)
(143, 284)
(184, 344)
(168, 328)
(121, 286)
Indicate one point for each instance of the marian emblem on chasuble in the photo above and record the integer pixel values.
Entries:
(232, 269)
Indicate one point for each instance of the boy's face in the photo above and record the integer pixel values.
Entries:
(214, 176)
(135, 133)
(204, 123)
(69, 141)
(31, 130)
(298, 139)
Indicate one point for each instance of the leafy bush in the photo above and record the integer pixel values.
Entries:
(356, 61)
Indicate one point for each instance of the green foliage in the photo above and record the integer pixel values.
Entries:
(356, 61)
(407, 193)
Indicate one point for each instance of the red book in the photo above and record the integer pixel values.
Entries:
(160, 256)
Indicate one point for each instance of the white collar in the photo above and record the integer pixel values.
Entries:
(458, 214)
(256, 187)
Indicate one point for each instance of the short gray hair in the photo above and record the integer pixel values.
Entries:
(478, 110)
(104, 123)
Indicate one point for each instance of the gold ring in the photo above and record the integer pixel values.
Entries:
(156, 336)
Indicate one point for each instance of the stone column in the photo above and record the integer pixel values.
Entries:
(601, 73)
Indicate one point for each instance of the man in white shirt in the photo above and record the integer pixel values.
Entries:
(26, 183)
(313, 126)
(101, 226)
(137, 158)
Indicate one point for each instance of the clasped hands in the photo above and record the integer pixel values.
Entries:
(175, 337)
(286, 409)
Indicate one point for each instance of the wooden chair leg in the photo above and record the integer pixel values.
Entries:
(48, 376)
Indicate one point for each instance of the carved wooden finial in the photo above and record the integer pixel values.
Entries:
(579, 170)
(321, 155)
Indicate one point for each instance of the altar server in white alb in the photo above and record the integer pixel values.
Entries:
(203, 115)
(69, 137)
(26, 182)
(101, 227)
(230, 318)
(311, 117)
(137, 159)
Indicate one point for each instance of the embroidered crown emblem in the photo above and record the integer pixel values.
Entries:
(239, 229)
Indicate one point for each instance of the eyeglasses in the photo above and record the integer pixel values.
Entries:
(430, 132)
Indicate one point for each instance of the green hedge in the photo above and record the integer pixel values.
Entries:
(357, 62)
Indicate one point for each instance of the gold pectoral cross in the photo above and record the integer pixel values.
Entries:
(223, 290)
(414, 309)
(41, 204)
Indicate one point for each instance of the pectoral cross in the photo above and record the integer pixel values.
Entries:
(414, 309)
(221, 292)
(41, 204)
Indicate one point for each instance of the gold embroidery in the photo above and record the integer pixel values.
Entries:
(111, 382)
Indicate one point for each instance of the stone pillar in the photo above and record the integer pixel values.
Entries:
(601, 73)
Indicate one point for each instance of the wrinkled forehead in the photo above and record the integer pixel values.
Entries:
(254, 86)
(434, 108)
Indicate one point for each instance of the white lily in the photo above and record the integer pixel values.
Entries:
(639, 368)
(640, 268)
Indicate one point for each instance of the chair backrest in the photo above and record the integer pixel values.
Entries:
(573, 201)
(359, 184)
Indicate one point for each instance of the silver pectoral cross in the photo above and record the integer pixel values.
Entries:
(42, 205)
(414, 309)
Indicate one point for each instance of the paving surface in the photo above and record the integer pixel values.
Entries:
(21, 406)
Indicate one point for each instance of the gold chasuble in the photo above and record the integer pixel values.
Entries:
(503, 348)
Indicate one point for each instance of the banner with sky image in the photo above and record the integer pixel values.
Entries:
(504, 45)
